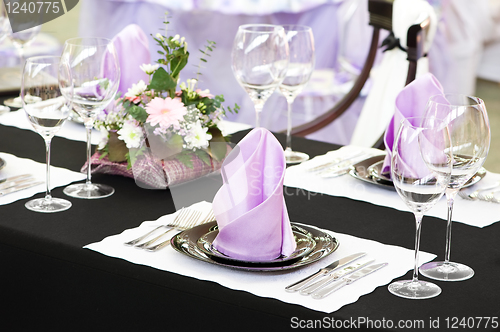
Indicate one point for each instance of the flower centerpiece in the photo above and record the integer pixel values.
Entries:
(163, 123)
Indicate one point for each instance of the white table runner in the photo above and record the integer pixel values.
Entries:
(473, 213)
(59, 177)
(268, 284)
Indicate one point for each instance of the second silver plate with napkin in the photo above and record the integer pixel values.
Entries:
(369, 170)
(186, 242)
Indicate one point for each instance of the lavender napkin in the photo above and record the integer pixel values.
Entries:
(132, 48)
(410, 102)
(249, 207)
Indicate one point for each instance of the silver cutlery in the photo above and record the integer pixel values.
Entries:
(140, 238)
(489, 196)
(19, 187)
(475, 195)
(333, 277)
(15, 181)
(15, 177)
(335, 162)
(322, 272)
(187, 220)
(156, 247)
(329, 289)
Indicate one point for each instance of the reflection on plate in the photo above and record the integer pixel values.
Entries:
(186, 243)
(2, 163)
(305, 244)
(361, 171)
(370, 170)
(75, 117)
(13, 102)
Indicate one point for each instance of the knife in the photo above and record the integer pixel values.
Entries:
(11, 183)
(14, 178)
(327, 290)
(327, 269)
(333, 277)
(25, 186)
(336, 162)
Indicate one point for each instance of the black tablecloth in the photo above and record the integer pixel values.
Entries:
(48, 281)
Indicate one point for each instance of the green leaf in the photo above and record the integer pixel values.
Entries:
(162, 81)
(204, 156)
(138, 113)
(186, 159)
(217, 147)
(178, 63)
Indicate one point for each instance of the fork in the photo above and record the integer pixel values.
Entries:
(183, 221)
(490, 196)
(210, 217)
(181, 214)
(475, 195)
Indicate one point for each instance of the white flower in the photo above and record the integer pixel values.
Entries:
(131, 134)
(197, 137)
(136, 89)
(149, 68)
(159, 36)
(104, 138)
(176, 37)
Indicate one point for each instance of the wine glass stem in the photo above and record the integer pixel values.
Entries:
(258, 108)
(450, 198)
(89, 150)
(48, 196)
(289, 125)
(418, 223)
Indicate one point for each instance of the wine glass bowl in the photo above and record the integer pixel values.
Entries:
(420, 170)
(20, 40)
(469, 128)
(95, 74)
(259, 61)
(47, 111)
(300, 67)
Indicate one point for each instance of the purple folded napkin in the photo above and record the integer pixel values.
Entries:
(410, 102)
(249, 207)
(132, 49)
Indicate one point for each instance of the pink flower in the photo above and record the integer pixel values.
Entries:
(204, 93)
(165, 112)
(135, 99)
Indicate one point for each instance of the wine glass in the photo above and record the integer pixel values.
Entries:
(420, 170)
(95, 70)
(300, 67)
(470, 136)
(259, 61)
(20, 40)
(4, 23)
(47, 111)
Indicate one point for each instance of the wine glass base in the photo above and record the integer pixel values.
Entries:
(294, 157)
(414, 290)
(48, 205)
(446, 271)
(88, 191)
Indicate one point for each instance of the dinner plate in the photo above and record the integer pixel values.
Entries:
(305, 244)
(185, 242)
(2, 163)
(370, 170)
(361, 172)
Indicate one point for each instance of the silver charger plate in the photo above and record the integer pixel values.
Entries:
(370, 170)
(305, 244)
(185, 242)
(2, 163)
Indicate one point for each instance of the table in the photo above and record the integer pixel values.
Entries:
(48, 280)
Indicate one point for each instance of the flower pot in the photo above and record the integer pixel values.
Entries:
(117, 149)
